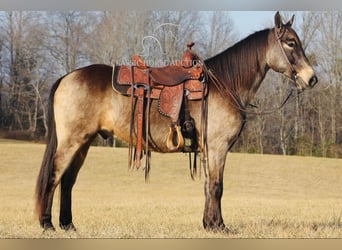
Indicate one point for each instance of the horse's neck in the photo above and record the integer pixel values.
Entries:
(248, 90)
(249, 93)
(242, 76)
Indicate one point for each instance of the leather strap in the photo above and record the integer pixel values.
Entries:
(131, 127)
(140, 121)
(188, 128)
(278, 38)
(147, 134)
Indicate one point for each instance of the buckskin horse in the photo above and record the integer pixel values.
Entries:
(83, 104)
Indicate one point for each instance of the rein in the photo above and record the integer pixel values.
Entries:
(225, 92)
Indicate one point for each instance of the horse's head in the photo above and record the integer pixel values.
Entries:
(286, 55)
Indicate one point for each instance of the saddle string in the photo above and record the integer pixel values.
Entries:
(131, 154)
(147, 132)
(131, 127)
(204, 162)
(204, 121)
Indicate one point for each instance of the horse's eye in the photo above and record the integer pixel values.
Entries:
(291, 44)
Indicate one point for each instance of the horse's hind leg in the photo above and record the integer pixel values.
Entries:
(45, 216)
(67, 182)
(64, 157)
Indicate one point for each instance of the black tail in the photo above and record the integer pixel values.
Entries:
(45, 177)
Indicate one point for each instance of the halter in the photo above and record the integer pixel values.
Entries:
(293, 71)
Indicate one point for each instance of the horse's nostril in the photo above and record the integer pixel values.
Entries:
(313, 81)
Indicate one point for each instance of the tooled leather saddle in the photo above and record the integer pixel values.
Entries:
(172, 86)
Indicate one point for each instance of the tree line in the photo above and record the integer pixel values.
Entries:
(37, 47)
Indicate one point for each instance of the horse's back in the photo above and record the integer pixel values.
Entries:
(94, 77)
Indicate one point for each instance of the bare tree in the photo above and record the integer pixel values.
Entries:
(68, 35)
(329, 52)
(219, 33)
(23, 38)
(308, 27)
(38, 47)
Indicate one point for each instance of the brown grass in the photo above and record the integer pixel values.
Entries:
(264, 196)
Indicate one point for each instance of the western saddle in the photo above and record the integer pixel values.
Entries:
(172, 86)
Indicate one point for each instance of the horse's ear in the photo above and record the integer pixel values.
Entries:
(290, 22)
(278, 21)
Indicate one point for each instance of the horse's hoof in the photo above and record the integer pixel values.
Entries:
(69, 227)
(222, 230)
(227, 230)
(48, 227)
(216, 228)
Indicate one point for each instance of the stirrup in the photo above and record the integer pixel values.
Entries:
(180, 140)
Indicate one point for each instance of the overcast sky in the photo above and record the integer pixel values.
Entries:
(170, 5)
(247, 22)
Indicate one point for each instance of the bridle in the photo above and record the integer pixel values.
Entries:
(238, 105)
(278, 39)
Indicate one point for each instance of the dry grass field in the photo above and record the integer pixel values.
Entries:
(264, 196)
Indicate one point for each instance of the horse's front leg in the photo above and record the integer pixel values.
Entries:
(213, 188)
